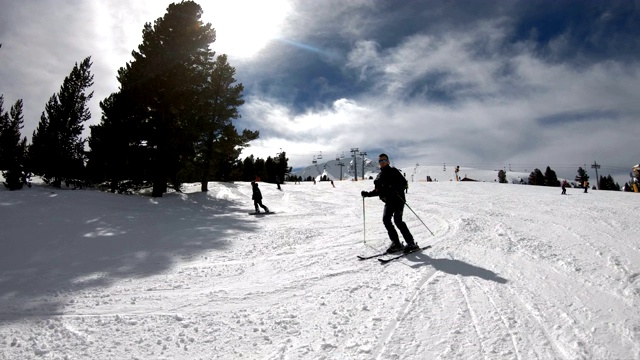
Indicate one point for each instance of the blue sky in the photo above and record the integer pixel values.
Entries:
(470, 83)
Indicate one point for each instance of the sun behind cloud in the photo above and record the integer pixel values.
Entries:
(244, 27)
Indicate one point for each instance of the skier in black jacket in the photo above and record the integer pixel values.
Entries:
(390, 186)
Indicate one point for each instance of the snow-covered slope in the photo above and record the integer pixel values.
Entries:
(516, 272)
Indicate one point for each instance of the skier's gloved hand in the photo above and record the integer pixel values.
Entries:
(364, 193)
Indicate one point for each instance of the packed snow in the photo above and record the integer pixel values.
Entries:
(515, 272)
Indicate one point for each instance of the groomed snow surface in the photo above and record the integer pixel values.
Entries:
(515, 272)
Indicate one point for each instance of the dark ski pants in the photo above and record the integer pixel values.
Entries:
(259, 202)
(395, 211)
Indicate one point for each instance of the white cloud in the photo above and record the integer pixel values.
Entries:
(497, 99)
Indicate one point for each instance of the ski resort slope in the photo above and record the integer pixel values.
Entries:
(515, 272)
(333, 170)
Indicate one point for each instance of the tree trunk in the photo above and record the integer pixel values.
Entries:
(159, 187)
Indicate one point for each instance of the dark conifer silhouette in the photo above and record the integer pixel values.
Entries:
(57, 150)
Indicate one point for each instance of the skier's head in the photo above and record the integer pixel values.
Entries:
(383, 160)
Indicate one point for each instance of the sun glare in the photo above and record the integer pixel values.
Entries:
(244, 27)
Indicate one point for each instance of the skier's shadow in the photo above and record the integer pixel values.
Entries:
(456, 267)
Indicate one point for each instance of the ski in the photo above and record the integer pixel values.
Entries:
(384, 261)
(360, 257)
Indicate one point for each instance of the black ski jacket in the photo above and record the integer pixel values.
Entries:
(257, 194)
(390, 186)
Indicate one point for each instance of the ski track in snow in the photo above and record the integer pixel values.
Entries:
(515, 272)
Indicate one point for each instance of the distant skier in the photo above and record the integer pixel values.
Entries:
(406, 187)
(564, 187)
(257, 197)
(278, 182)
(457, 170)
(586, 186)
(390, 186)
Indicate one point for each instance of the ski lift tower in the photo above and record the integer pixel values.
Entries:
(596, 166)
(363, 154)
(341, 164)
(355, 165)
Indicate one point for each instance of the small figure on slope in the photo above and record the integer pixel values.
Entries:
(564, 187)
(390, 186)
(257, 197)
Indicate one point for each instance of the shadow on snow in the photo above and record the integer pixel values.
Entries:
(455, 267)
(88, 239)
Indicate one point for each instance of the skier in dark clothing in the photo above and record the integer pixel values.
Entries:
(390, 186)
(257, 197)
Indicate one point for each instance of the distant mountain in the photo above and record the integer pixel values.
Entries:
(334, 171)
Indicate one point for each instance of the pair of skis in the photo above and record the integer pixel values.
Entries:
(394, 257)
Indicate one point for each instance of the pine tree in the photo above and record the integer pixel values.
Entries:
(581, 177)
(536, 178)
(220, 144)
(14, 148)
(227, 149)
(113, 158)
(248, 169)
(550, 178)
(260, 169)
(282, 166)
(175, 104)
(4, 126)
(502, 177)
(166, 85)
(607, 183)
(57, 150)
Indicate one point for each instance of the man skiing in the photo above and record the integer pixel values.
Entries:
(390, 186)
(257, 197)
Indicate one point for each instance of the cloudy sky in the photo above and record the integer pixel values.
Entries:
(487, 84)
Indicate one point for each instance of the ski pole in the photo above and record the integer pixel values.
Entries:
(364, 224)
(414, 213)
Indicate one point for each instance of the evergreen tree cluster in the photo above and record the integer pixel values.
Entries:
(549, 178)
(57, 151)
(170, 122)
(270, 170)
(607, 183)
(13, 149)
